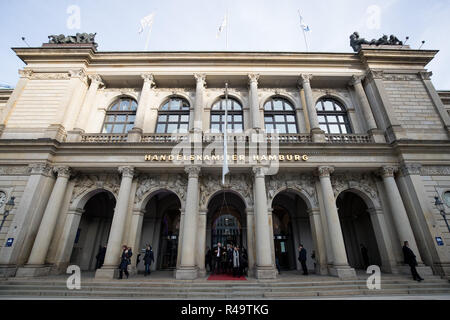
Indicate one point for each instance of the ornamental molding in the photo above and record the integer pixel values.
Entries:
(201, 78)
(25, 73)
(14, 170)
(411, 169)
(62, 172)
(177, 183)
(95, 78)
(400, 77)
(40, 169)
(126, 171)
(325, 171)
(242, 184)
(375, 74)
(253, 78)
(387, 171)
(425, 75)
(303, 183)
(435, 171)
(48, 76)
(332, 92)
(356, 80)
(84, 183)
(363, 182)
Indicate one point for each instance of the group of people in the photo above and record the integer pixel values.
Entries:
(227, 260)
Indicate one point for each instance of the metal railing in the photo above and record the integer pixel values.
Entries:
(348, 138)
(104, 138)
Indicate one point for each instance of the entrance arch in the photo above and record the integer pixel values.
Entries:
(291, 227)
(357, 229)
(161, 229)
(93, 229)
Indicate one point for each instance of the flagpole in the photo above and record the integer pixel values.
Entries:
(303, 29)
(148, 37)
(225, 138)
(228, 22)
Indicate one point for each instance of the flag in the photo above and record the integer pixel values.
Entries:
(225, 169)
(222, 26)
(146, 22)
(304, 26)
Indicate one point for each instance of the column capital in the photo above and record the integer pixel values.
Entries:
(63, 172)
(148, 78)
(26, 73)
(387, 171)
(259, 172)
(253, 78)
(126, 171)
(78, 73)
(201, 78)
(411, 169)
(355, 80)
(305, 78)
(43, 169)
(425, 75)
(375, 74)
(96, 79)
(325, 171)
(192, 171)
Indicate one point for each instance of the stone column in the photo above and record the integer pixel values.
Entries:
(134, 236)
(69, 105)
(317, 134)
(36, 263)
(136, 133)
(198, 108)
(399, 215)
(265, 268)
(75, 134)
(340, 266)
(356, 83)
(25, 75)
(114, 246)
(188, 269)
(254, 101)
(27, 217)
(201, 242)
(250, 240)
(319, 241)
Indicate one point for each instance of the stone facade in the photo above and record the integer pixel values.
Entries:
(77, 188)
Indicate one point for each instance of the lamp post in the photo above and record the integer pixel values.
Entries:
(8, 207)
(440, 206)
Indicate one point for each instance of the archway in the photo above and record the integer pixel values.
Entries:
(93, 230)
(291, 227)
(161, 229)
(357, 230)
(226, 221)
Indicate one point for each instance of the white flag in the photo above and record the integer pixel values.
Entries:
(146, 22)
(304, 26)
(223, 26)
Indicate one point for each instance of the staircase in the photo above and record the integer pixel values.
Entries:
(167, 288)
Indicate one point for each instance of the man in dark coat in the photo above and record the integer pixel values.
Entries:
(148, 259)
(302, 258)
(125, 260)
(410, 259)
(229, 264)
(365, 256)
(100, 257)
(218, 258)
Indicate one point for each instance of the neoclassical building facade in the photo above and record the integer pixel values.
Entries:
(87, 142)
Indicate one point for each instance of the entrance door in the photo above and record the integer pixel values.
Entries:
(170, 227)
(226, 230)
(281, 251)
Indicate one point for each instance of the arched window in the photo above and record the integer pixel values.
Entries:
(120, 116)
(279, 116)
(173, 116)
(235, 117)
(332, 117)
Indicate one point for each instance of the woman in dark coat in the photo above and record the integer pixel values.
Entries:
(125, 260)
(148, 259)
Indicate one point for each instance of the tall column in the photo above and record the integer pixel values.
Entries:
(317, 134)
(340, 267)
(319, 241)
(136, 133)
(198, 108)
(36, 263)
(250, 240)
(27, 217)
(83, 115)
(114, 245)
(399, 215)
(201, 242)
(254, 101)
(372, 128)
(265, 268)
(188, 269)
(134, 236)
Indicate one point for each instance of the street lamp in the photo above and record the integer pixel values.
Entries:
(440, 206)
(8, 207)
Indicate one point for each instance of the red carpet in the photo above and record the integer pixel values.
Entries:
(225, 277)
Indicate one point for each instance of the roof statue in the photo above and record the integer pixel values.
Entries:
(78, 38)
(356, 42)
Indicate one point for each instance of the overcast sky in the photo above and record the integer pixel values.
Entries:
(254, 25)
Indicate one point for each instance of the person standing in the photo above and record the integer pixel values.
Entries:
(302, 258)
(236, 256)
(410, 259)
(125, 260)
(217, 257)
(229, 262)
(148, 259)
(365, 256)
